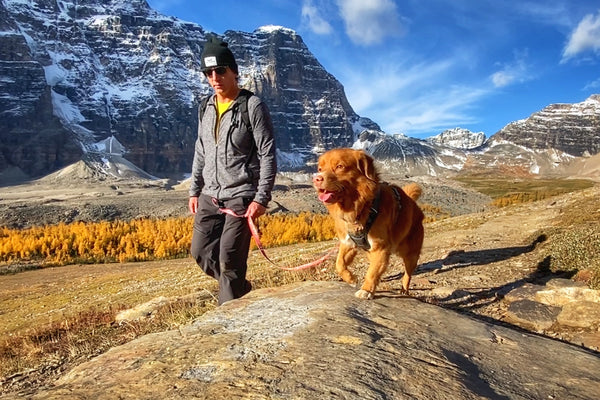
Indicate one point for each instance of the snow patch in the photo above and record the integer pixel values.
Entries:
(65, 110)
(110, 145)
(274, 28)
(54, 74)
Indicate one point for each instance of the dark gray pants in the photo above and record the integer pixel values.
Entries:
(220, 245)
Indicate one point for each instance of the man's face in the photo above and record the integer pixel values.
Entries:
(223, 81)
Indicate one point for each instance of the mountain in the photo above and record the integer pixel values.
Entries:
(459, 138)
(74, 73)
(91, 70)
(548, 143)
(400, 154)
(308, 105)
(573, 129)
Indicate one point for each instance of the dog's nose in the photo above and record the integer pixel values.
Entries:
(317, 178)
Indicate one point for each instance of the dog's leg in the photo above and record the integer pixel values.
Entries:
(410, 264)
(411, 259)
(378, 262)
(345, 257)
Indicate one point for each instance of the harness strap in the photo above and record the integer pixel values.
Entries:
(398, 197)
(256, 237)
(361, 238)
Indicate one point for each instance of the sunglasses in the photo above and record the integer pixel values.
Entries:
(218, 70)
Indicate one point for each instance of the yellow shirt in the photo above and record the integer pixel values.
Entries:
(221, 108)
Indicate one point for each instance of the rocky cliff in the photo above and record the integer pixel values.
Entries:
(308, 105)
(74, 73)
(459, 138)
(570, 128)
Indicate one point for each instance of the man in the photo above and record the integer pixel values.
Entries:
(234, 167)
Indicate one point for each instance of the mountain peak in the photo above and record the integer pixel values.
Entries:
(570, 128)
(458, 138)
(275, 28)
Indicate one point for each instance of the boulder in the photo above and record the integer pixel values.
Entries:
(532, 315)
(315, 340)
(567, 294)
(525, 292)
(559, 302)
(580, 314)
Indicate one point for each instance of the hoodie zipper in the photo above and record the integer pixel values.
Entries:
(217, 138)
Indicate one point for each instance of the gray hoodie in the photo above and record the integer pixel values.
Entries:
(235, 163)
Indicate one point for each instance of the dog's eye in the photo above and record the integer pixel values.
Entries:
(319, 169)
(339, 167)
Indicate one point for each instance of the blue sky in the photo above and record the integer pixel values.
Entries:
(419, 67)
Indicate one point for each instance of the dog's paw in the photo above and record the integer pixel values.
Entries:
(348, 277)
(363, 294)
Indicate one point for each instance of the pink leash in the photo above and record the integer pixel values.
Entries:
(256, 237)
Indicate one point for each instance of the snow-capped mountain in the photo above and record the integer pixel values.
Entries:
(570, 128)
(74, 73)
(545, 143)
(78, 77)
(459, 138)
(400, 154)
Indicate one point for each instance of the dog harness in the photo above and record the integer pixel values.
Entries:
(360, 238)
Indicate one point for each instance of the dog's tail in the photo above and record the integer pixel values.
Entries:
(413, 191)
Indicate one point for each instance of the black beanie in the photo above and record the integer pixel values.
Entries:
(216, 53)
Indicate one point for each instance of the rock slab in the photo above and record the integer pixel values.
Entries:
(315, 340)
(559, 302)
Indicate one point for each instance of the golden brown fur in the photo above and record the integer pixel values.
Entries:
(347, 183)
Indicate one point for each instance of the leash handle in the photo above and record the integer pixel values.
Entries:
(256, 237)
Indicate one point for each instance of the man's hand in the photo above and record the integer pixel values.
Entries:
(193, 204)
(255, 210)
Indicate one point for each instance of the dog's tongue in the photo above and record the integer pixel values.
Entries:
(326, 197)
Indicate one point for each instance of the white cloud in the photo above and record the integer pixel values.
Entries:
(585, 37)
(412, 99)
(389, 77)
(555, 13)
(370, 21)
(432, 112)
(594, 85)
(515, 72)
(313, 19)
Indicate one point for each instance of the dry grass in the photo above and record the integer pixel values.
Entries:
(54, 318)
(516, 191)
(575, 244)
(56, 315)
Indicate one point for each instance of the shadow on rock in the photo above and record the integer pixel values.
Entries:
(460, 258)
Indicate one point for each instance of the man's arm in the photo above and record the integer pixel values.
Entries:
(264, 137)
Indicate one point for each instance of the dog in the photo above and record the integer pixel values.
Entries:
(381, 218)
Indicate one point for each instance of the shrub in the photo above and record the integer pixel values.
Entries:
(141, 239)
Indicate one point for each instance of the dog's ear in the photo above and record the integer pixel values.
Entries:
(366, 165)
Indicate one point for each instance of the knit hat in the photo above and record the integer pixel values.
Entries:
(216, 53)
